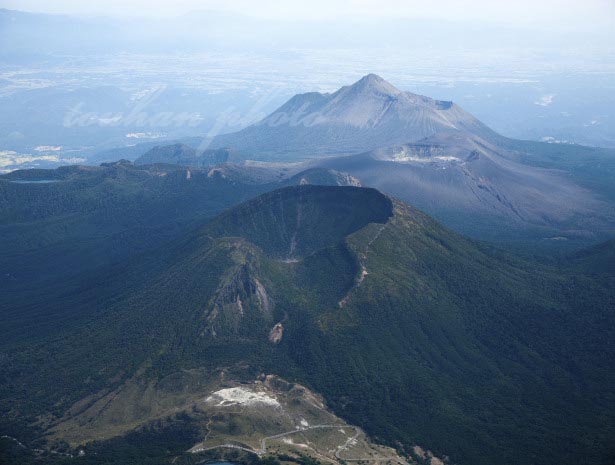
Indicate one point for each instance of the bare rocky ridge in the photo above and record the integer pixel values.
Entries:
(239, 298)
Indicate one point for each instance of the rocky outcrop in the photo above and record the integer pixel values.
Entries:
(240, 300)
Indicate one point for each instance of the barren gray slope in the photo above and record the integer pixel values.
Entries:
(473, 185)
(364, 116)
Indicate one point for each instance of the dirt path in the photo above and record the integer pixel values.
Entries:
(263, 448)
(364, 272)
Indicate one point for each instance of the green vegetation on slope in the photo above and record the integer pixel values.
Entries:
(408, 330)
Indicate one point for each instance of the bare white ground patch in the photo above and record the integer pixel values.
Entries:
(289, 441)
(408, 159)
(418, 450)
(276, 333)
(241, 396)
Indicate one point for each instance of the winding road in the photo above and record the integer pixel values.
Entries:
(263, 448)
(338, 451)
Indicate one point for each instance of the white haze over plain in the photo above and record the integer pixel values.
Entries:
(551, 14)
(540, 70)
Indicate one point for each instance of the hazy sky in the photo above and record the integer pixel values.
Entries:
(560, 14)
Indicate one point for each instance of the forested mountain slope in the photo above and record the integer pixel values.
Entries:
(407, 329)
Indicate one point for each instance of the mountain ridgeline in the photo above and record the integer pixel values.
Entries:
(294, 222)
(407, 329)
(252, 302)
(182, 154)
(364, 116)
(59, 224)
(482, 190)
(440, 158)
(434, 155)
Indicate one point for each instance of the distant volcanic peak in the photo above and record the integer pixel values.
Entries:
(373, 83)
(372, 79)
(366, 115)
(366, 91)
(372, 101)
(366, 103)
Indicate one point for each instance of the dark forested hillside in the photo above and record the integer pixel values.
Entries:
(407, 329)
(57, 224)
